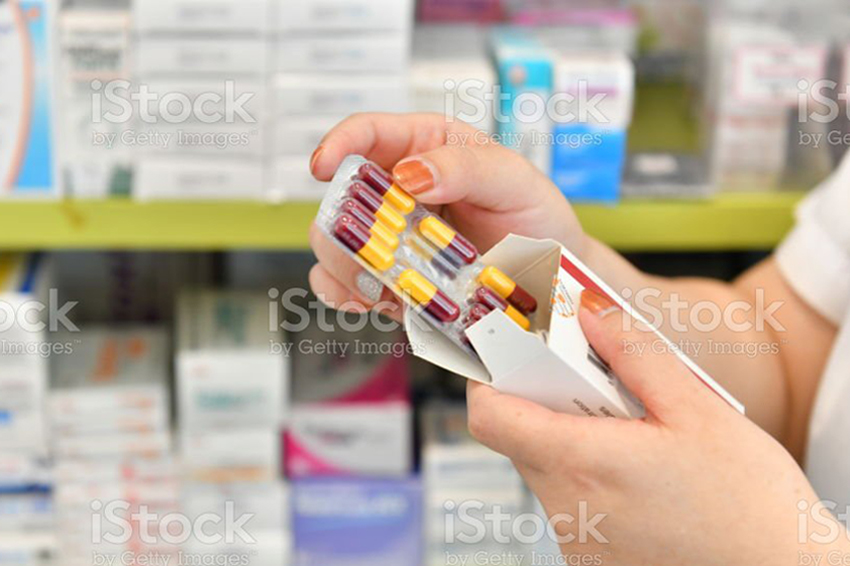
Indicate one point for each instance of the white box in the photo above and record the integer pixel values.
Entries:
(207, 55)
(335, 15)
(117, 445)
(238, 102)
(224, 16)
(290, 179)
(315, 94)
(194, 177)
(453, 59)
(94, 44)
(350, 439)
(560, 372)
(298, 136)
(231, 456)
(224, 389)
(370, 52)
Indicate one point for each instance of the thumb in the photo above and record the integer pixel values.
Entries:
(486, 175)
(643, 361)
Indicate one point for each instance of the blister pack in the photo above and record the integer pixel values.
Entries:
(415, 253)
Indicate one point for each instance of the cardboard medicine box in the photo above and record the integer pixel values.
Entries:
(553, 365)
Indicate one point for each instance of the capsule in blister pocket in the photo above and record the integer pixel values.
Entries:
(382, 210)
(490, 299)
(435, 302)
(447, 240)
(383, 183)
(359, 240)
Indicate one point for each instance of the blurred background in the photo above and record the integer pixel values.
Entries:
(164, 370)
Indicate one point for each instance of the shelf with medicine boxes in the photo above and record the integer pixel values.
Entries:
(725, 222)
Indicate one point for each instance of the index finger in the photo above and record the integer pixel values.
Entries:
(383, 138)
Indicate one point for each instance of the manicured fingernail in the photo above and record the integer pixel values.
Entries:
(314, 158)
(369, 286)
(415, 176)
(597, 303)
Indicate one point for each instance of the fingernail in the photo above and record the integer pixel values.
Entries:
(314, 158)
(597, 303)
(415, 176)
(369, 286)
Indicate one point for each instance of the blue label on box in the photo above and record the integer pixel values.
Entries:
(357, 522)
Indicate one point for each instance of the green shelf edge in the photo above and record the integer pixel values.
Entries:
(727, 222)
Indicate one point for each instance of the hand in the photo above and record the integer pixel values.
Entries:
(694, 482)
(484, 189)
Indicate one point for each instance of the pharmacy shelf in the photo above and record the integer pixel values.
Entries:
(728, 222)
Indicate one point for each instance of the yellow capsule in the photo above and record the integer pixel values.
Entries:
(498, 281)
(385, 234)
(435, 302)
(436, 232)
(517, 317)
(377, 254)
(415, 285)
(400, 199)
(391, 218)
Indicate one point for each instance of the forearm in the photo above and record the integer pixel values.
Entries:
(716, 324)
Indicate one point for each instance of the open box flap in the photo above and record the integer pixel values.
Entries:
(433, 346)
(512, 255)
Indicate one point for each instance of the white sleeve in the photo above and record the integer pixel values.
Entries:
(815, 257)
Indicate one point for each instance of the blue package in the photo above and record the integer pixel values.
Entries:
(357, 522)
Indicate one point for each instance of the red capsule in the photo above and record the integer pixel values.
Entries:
(383, 211)
(435, 302)
(361, 241)
(475, 313)
(383, 183)
(362, 214)
(455, 246)
(490, 299)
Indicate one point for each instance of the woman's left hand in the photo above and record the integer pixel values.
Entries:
(694, 482)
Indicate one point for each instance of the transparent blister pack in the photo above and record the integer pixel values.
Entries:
(415, 253)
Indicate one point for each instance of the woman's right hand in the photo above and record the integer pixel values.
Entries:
(485, 190)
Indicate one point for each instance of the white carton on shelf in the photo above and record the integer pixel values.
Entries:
(94, 45)
(222, 16)
(349, 439)
(362, 53)
(299, 136)
(353, 15)
(227, 372)
(221, 389)
(234, 56)
(317, 94)
(290, 178)
(560, 372)
(199, 177)
(231, 455)
(187, 101)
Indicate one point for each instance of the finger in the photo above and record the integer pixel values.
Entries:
(487, 175)
(382, 138)
(638, 357)
(344, 283)
(522, 430)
